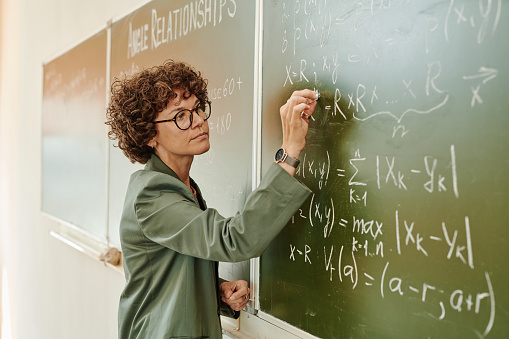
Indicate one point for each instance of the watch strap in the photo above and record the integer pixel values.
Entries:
(284, 157)
(291, 161)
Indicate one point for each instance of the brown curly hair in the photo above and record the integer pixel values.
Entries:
(137, 100)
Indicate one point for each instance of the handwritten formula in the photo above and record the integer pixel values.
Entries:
(406, 201)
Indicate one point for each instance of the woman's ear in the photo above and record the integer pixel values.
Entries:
(152, 143)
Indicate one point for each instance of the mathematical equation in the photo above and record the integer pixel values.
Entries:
(406, 237)
(369, 240)
(376, 39)
(435, 175)
(386, 216)
(387, 240)
(458, 300)
(221, 123)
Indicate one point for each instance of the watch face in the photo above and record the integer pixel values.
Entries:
(279, 154)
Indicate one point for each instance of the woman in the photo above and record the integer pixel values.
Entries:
(171, 241)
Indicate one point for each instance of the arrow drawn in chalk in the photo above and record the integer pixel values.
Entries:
(483, 72)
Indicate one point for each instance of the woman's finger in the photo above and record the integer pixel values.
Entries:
(241, 305)
(306, 93)
(240, 294)
(297, 112)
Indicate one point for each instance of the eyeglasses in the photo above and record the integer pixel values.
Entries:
(184, 118)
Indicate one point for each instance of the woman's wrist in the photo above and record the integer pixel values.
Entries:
(293, 152)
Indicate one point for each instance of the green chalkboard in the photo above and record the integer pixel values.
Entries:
(406, 234)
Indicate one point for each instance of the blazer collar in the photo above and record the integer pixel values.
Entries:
(156, 164)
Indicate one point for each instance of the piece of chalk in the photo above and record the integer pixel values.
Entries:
(304, 115)
(313, 100)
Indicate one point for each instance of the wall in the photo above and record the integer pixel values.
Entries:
(8, 147)
(54, 291)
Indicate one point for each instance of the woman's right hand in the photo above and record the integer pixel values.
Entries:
(295, 116)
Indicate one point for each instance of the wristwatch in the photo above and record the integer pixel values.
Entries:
(281, 156)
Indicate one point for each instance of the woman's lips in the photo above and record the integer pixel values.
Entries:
(200, 136)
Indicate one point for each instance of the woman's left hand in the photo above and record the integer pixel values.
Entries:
(235, 294)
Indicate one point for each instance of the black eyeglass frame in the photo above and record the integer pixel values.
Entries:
(191, 117)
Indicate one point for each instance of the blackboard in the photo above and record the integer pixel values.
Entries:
(406, 234)
(218, 39)
(74, 143)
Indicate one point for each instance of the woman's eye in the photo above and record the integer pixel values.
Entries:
(181, 116)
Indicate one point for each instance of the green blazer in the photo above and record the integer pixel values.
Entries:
(171, 244)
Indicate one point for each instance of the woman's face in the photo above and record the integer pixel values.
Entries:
(173, 144)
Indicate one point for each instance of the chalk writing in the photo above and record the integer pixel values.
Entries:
(221, 122)
(381, 214)
(435, 179)
(177, 23)
(319, 170)
(303, 21)
(231, 85)
(79, 80)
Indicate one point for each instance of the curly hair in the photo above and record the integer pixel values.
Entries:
(137, 100)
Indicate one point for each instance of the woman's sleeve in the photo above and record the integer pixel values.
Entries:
(176, 222)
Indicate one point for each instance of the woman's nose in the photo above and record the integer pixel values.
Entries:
(197, 119)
